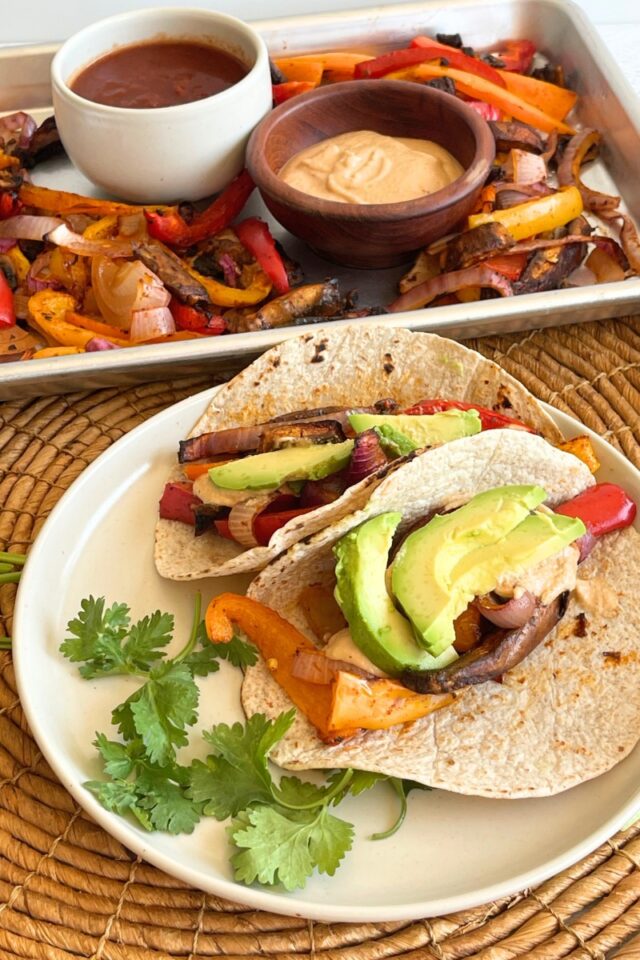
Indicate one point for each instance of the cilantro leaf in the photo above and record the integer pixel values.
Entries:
(206, 659)
(160, 710)
(295, 793)
(236, 774)
(108, 645)
(120, 796)
(119, 758)
(363, 780)
(277, 846)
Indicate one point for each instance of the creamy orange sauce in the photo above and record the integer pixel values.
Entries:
(367, 167)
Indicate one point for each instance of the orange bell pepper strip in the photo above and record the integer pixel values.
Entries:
(57, 352)
(61, 202)
(553, 100)
(481, 89)
(301, 69)
(223, 296)
(337, 710)
(292, 88)
(342, 61)
(98, 327)
(195, 470)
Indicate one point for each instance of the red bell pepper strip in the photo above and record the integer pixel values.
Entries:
(421, 50)
(177, 502)
(603, 508)
(291, 88)
(9, 205)
(489, 419)
(190, 318)
(516, 55)
(7, 310)
(510, 265)
(171, 228)
(254, 234)
(265, 524)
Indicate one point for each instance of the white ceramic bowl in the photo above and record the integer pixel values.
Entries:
(162, 154)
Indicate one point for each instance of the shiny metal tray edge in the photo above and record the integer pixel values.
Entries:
(558, 26)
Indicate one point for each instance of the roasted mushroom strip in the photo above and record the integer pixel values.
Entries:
(498, 652)
(171, 271)
(312, 299)
(475, 245)
(512, 134)
(549, 267)
(279, 436)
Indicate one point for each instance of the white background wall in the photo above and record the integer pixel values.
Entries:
(50, 20)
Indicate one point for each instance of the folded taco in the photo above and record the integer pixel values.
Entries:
(302, 436)
(474, 627)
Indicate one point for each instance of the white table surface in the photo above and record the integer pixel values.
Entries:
(44, 21)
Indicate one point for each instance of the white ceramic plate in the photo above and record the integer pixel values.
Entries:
(453, 852)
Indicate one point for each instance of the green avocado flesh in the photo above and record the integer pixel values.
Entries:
(441, 567)
(429, 430)
(377, 628)
(264, 471)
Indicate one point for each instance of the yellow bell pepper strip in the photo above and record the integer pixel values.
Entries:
(8, 161)
(169, 227)
(224, 296)
(553, 100)
(300, 69)
(338, 709)
(19, 262)
(481, 89)
(57, 352)
(61, 202)
(535, 216)
(70, 270)
(49, 308)
(102, 229)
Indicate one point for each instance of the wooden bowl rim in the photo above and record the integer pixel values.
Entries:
(475, 174)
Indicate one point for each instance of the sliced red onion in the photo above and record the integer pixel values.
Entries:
(39, 276)
(525, 167)
(367, 457)
(630, 242)
(486, 110)
(582, 276)
(26, 226)
(568, 175)
(318, 493)
(149, 324)
(585, 545)
(424, 293)
(6, 243)
(315, 667)
(510, 614)
(100, 343)
(242, 516)
(18, 121)
(62, 236)
(551, 147)
(229, 269)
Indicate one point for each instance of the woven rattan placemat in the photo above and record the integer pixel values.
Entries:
(68, 890)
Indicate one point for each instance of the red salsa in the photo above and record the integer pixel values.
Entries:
(158, 73)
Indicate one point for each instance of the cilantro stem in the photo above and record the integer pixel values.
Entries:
(10, 577)
(17, 559)
(336, 789)
(193, 636)
(398, 786)
(5, 643)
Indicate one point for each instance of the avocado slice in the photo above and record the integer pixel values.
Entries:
(426, 430)
(377, 628)
(265, 471)
(441, 567)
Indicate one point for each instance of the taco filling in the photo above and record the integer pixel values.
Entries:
(457, 600)
(246, 482)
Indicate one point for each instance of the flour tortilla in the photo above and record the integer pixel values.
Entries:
(355, 365)
(567, 713)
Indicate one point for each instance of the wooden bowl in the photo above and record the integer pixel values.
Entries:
(370, 235)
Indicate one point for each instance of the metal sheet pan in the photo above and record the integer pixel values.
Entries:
(559, 28)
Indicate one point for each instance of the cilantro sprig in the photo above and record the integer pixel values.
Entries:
(281, 832)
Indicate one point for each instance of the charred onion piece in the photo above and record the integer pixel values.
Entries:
(367, 457)
(507, 614)
(311, 299)
(171, 271)
(424, 293)
(281, 435)
(628, 237)
(473, 245)
(577, 150)
(550, 265)
(44, 144)
(512, 134)
(205, 514)
(498, 652)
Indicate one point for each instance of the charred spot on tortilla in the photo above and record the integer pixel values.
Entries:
(612, 657)
(580, 625)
